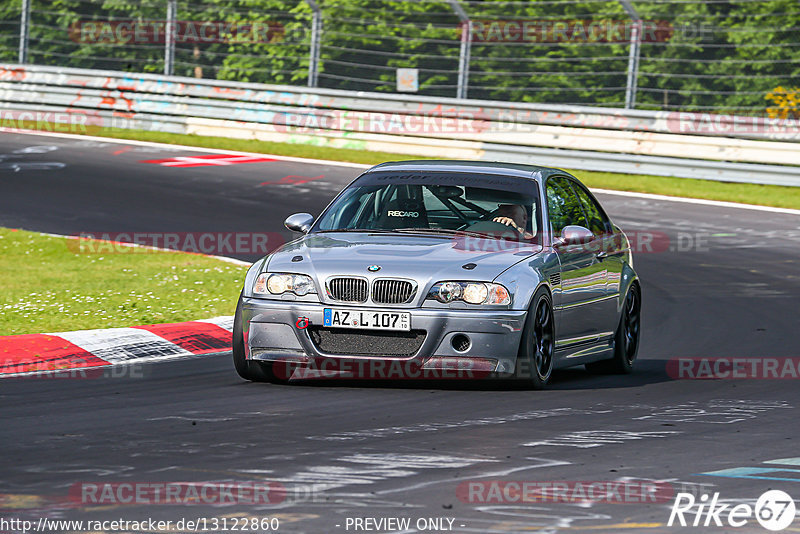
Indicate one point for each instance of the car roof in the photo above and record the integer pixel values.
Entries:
(481, 167)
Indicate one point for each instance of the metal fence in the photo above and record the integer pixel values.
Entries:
(731, 56)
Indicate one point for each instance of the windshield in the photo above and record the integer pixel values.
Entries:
(492, 206)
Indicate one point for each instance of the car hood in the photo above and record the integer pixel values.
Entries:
(426, 259)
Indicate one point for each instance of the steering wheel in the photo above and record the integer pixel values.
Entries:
(487, 217)
(492, 227)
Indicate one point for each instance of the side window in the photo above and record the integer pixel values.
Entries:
(598, 224)
(563, 205)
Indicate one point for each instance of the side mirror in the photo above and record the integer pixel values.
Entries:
(573, 234)
(299, 222)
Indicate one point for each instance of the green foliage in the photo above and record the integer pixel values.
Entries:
(727, 55)
(10, 11)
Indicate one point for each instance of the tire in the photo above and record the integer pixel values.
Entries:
(537, 347)
(626, 338)
(251, 370)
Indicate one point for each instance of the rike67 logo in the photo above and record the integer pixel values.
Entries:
(774, 510)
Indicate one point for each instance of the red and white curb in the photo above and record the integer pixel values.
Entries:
(41, 353)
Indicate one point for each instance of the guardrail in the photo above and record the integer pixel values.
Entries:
(742, 149)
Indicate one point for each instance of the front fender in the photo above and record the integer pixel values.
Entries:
(524, 278)
(629, 277)
(252, 273)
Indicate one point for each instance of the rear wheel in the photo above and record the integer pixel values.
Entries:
(252, 370)
(626, 339)
(537, 347)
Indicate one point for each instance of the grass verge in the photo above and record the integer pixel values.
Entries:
(51, 286)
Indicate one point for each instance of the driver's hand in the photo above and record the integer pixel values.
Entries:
(508, 222)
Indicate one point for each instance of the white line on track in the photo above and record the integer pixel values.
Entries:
(703, 202)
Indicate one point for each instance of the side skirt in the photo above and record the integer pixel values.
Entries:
(581, 353)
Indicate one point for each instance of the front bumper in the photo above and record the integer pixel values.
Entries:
(271, 334)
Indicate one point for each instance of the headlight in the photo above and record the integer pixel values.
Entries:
(471, 292)
(277, 284)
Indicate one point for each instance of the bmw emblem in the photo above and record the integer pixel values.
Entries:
(374, 268)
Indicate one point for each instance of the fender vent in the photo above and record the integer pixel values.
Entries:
(555, 279)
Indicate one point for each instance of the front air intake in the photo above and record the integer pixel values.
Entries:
(348, 289)
(386, 291)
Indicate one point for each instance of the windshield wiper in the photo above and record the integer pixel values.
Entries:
(434, 231)
(449, 232)
(444, 231)
(360, 230)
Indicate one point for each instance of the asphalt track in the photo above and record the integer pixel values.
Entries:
(726, 286)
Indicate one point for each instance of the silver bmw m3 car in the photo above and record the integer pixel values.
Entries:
(425, 267)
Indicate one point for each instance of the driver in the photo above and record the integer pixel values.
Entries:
(515, 216)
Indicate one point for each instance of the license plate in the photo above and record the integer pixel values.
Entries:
(374, 320)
